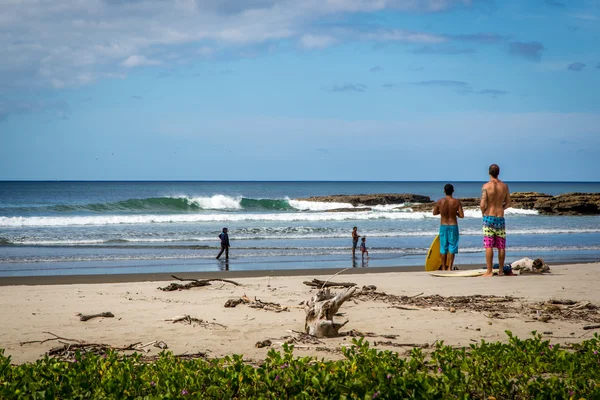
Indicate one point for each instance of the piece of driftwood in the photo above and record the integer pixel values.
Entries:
(232, 303)
(320, 311)
(264, 343)
(56, 337)
(186, 319)
(587, 327)
(323, 284)
(267, 305)
(406, 308)
(107, 314)
(357, 333)
(256, 303)
(193, 283)
(566, 302)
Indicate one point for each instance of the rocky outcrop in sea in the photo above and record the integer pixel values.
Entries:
(564, 204)
(370, 199)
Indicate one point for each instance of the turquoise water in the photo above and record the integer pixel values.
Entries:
(62, 228)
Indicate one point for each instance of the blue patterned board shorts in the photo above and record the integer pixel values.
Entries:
(448, 239)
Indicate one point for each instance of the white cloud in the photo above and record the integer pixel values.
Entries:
(73, 42)
(138, 61)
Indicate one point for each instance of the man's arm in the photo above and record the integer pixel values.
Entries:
(460, 213)
(507, 199)
(436, 208)
(483, 205)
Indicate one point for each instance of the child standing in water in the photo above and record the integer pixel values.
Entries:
(363, 247)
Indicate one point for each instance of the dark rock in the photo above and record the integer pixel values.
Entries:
(527, 200)
(570, 204)
(370, 199)
(564, 204)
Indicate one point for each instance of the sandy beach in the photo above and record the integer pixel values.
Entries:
(142, 312)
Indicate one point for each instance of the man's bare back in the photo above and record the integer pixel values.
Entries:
(495, 198)
(449, 209)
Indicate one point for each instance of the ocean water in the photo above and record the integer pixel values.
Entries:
(72, 228)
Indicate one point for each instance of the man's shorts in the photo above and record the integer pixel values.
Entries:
(354, 244)
(494, 232)
(448, 239)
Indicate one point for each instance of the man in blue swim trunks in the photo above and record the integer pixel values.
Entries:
(449, 209)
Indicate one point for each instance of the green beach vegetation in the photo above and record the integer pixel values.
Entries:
(519, 369)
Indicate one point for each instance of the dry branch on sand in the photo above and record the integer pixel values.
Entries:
(186, 319)
(323, 284)
(193, 283)
(256, 303)
(70, 347)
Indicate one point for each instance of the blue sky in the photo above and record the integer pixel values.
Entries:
(299, 90)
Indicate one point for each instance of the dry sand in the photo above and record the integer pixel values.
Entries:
(141, 311)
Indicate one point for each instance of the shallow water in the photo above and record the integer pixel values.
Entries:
(64, 228)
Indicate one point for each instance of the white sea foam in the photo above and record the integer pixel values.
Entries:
(216, 202)
(191, 218)
(316, 206)
(476, 213)
(388, 207)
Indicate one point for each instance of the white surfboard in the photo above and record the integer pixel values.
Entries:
(458, 274)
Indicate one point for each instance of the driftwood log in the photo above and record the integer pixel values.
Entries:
(323, 284)
(588, 327)
(320, 310)
(107, 314)
(193, 283)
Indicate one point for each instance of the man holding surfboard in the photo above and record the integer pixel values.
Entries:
(495, 198)
(449, 209)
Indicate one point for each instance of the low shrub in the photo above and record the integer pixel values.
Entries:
(520, 369)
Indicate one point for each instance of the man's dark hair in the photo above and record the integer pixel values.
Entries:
(448, 189)
(494, 170)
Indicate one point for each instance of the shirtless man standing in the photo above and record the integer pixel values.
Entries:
(495, 198)
(449, 208)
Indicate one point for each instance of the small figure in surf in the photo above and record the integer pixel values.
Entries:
(449, 209)
(363, 247)
(355, 237)
(224, 236)
(495, 198)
